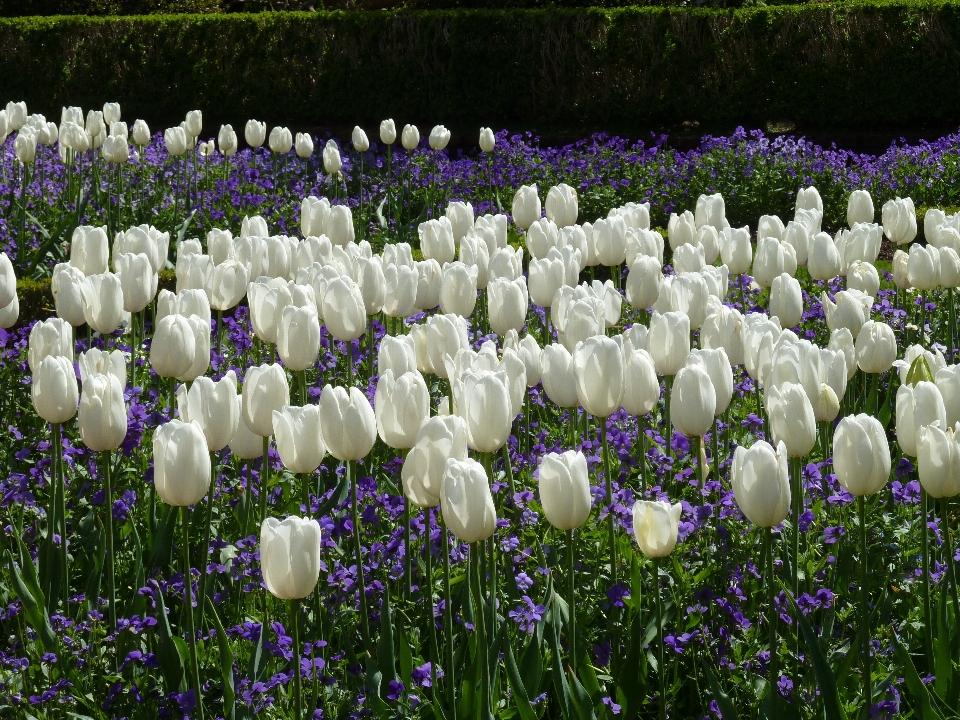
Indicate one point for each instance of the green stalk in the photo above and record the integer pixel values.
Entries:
(62, 512)
(448, 620)
(716, 449)
(480, 612)
(297, 691)
(948, 551)
(407, 547)
(797, 509)
(264, 478)
(111, 583)
(612, 543)
(206, 545)
(172, 390)
(668, 429)
(925, 562)
(572, 598)
(642, 446)
(188, 589)
(358, 557)
(661, 669)
(434, 646)
(773, 672)
(864, 608)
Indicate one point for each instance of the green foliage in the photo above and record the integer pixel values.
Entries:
(822, 65)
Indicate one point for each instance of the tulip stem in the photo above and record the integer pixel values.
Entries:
(612, 532)
(773, 669)
(925, 563)
(572, 599)
(448, 620)
(408, 551)
(358, 557)
(642, 460)
(434, 646)
(205, 550)
(948, 553)
(864, 608)
(62, 511)
(716, 449)
(482, 627)
(108, 500)
(668, 429)
(797, 510)
(297, 689)
(172, 393)
(264, 478)
(188, 590)
(661, 669)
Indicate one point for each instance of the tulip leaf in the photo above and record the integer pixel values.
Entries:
(580, 699)
(520, 697)
(919, 371)
(386, 655)
(559, 676)
(226, 663)
(406, 657)
(137, 604)
(728, 710)
(380, 218)
(182, 231)
(919, 692)
(943, 662)
(825, 677)
(531, 664)
(257, 664)
(163, 540)
(169, 654)
(26, 588)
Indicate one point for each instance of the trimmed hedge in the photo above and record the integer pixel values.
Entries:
(820, 66)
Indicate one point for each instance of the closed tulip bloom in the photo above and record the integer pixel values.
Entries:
(546, 277)
(565, 489)
(25, 146)
(641, 387)
(851, 310)
(923, 267)
(542, 237)
(181, 463)
(304, 146)
(610, 236)
(445, 336)
(141, 132)
(175, 139)
(656, 525)
(116, 150)
(824, 260)
(526, 207)
(598, 369)
(948, 383)
(54, 389)
(458, 289)
(717, 365)
(841, 340)
(298, 339)
(681, 229)
(861, 455)
(644, 282)
(761, 484)
(773, 258)
(410, 137)
(16, 113)
(281, 140)
(103, 414)
(791, 418)
(439, 137)
(529, 353)
(558, 376)
(97, 362)
(245, 444)
(436, 240)
(214, 406)
(507, 304)
(255, 132)
(400, 285)
(347, 422)
(669, 341)
(265, 389)
(876, 347)
(949, 268)
(65, 286)
(859, 208)
(899, 220)
(487, 140)
(340, 225)
(901, 267)
(440, 438)
(396, 353)
(466, 502)
(200, 361)
(562, 205)
(864, 277)
(585, 318)
(228, 285)
(688, 258)
(917, 406)
(290, 556)
(388, 132)
(736, 251)
(89, 249)
(808, 199)
(693, 401)
(102, 299)
(711, 211)
(359, 138)
(8, 281)
(49, 337)
(798, 237)
(401, 405)
(723, 329)
(193, 271)
(506, 263)
(786, 300)
(611, 298)
(474, 252)
(938, 461)
(299, 441)
(372, 284)
(428, 284)
(227, 140)
(138, 281)
(331, 158)
(482, 399)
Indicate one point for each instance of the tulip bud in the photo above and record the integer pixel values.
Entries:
(298, 338)
(851, 310)
(736, 251)
(899, 220)
(786, 300)
(562, 205)
(693, 401)
(864, 277)
(439, 137)
(466, 502)
(526, 207)
(396, 353)
(876, 347)
(400, 290)
(948, 383)
(546, 277)
(360, 142)
(861, 455)
(290, 556)
(347, 423)
(99, 362)
(402, 404)
(25, 146)
(482, 399)
(388, 132)
(598, 369)
(841, 340)
(228, 285)
(227, 140)
(265, 389)
(299, 440)
(917, 406)
(175, 139)
(938, 461)
(116, 150)
(141, 133)
(688, 258)
(681, 229)
(16, 115)
(344, 312)
(102, 300)
(507, 304)
(194, 123)
(461, 217)
(824, 260)
(565, 489)
(49, 337)
(213, 407)
(65, 286)
(245, 444)
(331, 158)
(458, 289)
(181, 463)
(610, 237)
(506, 263)
(487, 140)
(643, 282)
(717, 365)
(923, 267)
(103, 414)
(773, 257)
(669, 341)
(901, 270)
(304, 145)
(255, 132)
(410, 137)
(89, 249)
(436, 240)
(656, 525)
(280, 140)
(859, 208)
(54, 389)
(440, 438)
(791, 418)
(761, 484)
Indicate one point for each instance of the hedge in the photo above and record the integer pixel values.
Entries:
(864, 64)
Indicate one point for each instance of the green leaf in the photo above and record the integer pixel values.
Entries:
(386, 656)
(825, 678)
(919, 371)
(163, 540)
(943, 662)
(226, 663)
(559, 676)
(531, 664)
(172, 661)
(257, 664)
(915, 686)
(34, 610)
(406, 657)
(182, 232)
(520, 698)
(579, 698)
(727, 709)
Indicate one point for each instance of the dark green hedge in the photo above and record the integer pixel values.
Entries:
(820, 66)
